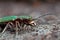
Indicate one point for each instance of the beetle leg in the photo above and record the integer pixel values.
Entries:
(24, 27)
(12, 25)
(8, 25)
(27, 28)
(4, 29)
(17, 27)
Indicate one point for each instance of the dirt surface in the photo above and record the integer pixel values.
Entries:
(36, 35)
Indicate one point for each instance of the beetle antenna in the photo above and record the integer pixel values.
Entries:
(42, 16)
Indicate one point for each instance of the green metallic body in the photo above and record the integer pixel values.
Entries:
(25, 17)
(12, 18)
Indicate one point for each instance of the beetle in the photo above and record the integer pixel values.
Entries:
(17, 22)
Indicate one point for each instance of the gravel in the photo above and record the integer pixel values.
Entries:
(36, 35)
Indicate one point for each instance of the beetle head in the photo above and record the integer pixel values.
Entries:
(33, 23)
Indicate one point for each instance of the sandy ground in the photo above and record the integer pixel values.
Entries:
(33, 35)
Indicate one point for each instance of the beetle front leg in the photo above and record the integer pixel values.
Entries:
(27, 28)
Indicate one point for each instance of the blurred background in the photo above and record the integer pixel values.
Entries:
(34, 8)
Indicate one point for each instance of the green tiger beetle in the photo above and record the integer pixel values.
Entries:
(17, 22)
